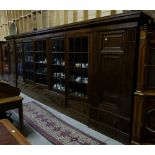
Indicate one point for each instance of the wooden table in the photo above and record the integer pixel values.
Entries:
(10, 103)
(10, 99)
(9, 135)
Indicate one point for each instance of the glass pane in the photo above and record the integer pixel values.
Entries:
(5, 60)
(77, 45)
(40, 62)
(57, 45)
(151, 77)
(38, 46)
(84, 44)
(152, 55)
(78, 66)
(71, 45)
(58, 64)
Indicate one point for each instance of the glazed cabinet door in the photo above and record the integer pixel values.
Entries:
(40, 61)
(5, 63)
(28, 61)
(12, 63)
(57, 65)
(20, 61)
(57, 69)
(78, 49)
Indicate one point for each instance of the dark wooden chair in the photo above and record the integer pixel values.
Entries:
(10, 99)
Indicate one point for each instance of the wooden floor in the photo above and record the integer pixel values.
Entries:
(43, 95)
(37, 139)
(39, 93)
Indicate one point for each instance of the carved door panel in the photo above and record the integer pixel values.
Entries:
(116, 80)
(112, 56)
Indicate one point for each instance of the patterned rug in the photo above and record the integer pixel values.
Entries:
(54, 129)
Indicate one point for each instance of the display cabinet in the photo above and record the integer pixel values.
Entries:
(100, 72)
(40, 62)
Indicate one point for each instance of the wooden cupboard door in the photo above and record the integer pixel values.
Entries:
(116, 80)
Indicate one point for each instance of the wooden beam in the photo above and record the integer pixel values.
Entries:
(98, 13)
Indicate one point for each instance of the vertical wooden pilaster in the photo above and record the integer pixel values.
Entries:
(85, 14)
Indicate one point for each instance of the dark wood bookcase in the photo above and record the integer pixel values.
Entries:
(100, 72)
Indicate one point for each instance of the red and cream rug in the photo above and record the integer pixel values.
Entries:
(54, 129)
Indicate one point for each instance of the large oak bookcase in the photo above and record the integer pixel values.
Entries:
(95, 69)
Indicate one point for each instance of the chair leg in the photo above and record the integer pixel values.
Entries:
(21, 117)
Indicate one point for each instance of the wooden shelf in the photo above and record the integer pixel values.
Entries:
(40, 63)
(28, 51)
(40, 51)
(57, 77)
(59, 91)
(78, 69)
(60, 52)
(42, 74)
(78, 82)
(58, 65)
(29, 71)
